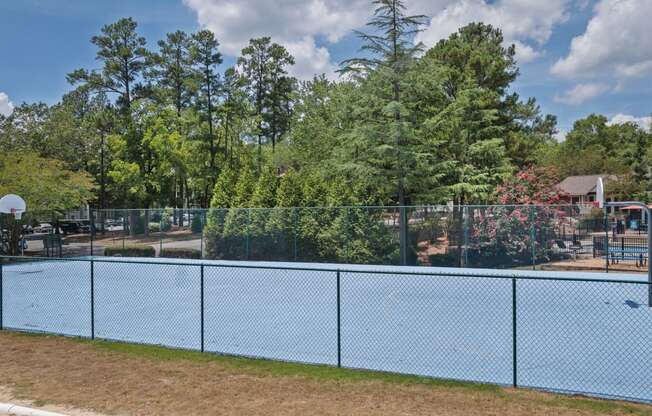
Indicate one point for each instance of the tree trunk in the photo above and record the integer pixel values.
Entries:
(210, 123)
(15, 230)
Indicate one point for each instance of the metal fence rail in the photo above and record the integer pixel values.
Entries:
(580, 335)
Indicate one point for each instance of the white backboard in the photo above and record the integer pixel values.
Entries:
(599, 193)
(12, 204)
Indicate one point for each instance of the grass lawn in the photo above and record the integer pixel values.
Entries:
(126, 379)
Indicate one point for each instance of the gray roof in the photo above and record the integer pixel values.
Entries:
(582, 185)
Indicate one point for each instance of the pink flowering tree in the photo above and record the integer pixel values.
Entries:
(519, 228)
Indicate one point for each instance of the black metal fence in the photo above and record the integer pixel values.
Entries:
(540, 330)
(616, 249)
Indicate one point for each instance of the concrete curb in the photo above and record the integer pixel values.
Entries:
(12, 409)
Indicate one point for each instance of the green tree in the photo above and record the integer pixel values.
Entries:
(393, 54)
(528, 131)
(594, 147)
(25, 129)
(264, 67)
(124, 60)
(234, 112)
(264, 194)
(45, 184)
(206, 58)
(223, 193)
(469, 128)
(74, 134)
(262, 202)
(171, 70)
(48, 188)
(470, 141)
(123, 56)
(323, 113)
(283, 221)
(236, 226)
(175, 83)
(142, 172)
(222, 200)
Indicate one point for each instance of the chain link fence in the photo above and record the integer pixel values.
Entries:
(547, 330)
(551, 237)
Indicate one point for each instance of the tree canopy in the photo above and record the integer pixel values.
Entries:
(166, 124)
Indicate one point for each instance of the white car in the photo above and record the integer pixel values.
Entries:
(43, 227)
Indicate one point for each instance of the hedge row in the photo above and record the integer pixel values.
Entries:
(180, 253)
(135, 250)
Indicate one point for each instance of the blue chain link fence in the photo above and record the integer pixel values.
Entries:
(545, 330)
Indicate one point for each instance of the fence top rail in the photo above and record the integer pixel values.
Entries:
(375, 270)
(388, 207)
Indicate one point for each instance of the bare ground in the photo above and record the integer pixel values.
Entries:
(132, 380)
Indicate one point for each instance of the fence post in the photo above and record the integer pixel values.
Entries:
(247, 233)
(347, 235)
(124, 229)
(92, 221)
(201, 291)
(202, 222)
(294, 228)
(606, 239)
(160, 234)
(514, 345)
(92, 299)
(533, 235)
(339, 323)
(465, 216)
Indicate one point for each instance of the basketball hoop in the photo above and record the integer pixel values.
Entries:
(13, 205)
(599, 193)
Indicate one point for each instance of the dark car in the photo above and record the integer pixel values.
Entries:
(70, 227)
(75, 227)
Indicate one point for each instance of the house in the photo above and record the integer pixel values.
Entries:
(581, 189)
(81, 213)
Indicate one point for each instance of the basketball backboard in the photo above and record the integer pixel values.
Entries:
(599, 193)
(12, 204)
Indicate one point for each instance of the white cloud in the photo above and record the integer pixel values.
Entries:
(314, 59)
(299, 24)
(616, 42)
(643, 122)
(6, 106)
(560, 136)
(296, 24)
(526, 23)
(581, 93)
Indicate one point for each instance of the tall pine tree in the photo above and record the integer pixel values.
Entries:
(393, 53)
(206, 57)
(124, 58)
(264, 66)
(171, 69)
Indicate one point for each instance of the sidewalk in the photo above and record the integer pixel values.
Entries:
(15, 410)
(11, 405)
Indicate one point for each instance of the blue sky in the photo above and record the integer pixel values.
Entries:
(577, 56)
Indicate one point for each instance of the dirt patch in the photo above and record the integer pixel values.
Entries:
(61, 371)
(590, 264)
